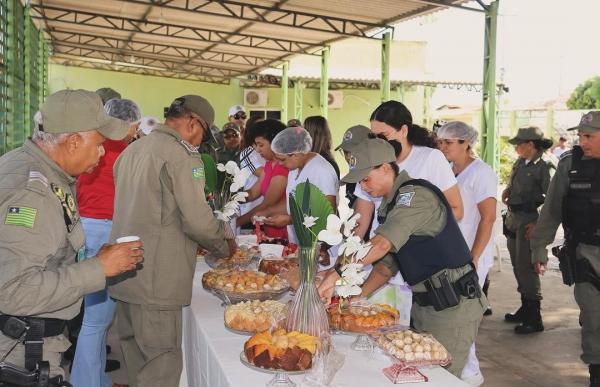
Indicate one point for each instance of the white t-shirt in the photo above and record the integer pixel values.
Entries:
(319, 172)
(477, 182)
(558, 151)
(422, 163)
(250, 159)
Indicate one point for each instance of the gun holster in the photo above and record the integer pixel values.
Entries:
(505, 230)
(566, 264)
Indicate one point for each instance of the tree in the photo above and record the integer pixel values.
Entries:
(586, 95)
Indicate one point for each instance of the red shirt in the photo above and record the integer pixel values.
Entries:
(96, 190)
(271, 170)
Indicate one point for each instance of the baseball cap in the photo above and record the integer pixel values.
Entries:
(236, 109)
(106, 94)
(354, 136)
(530, 133)
(373, 153)
(231, 126)
(70, 111)
(197, 105)
(590, 122)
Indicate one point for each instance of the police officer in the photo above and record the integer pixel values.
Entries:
(574, 199)
(353, 136)
(523, 196)
(42, 277)
(159, 196)
(417, 221)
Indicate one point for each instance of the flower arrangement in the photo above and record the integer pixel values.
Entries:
(340, 231)
(227, 199)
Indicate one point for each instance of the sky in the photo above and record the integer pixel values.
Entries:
(545, 48)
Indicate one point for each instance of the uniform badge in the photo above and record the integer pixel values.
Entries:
(20, 216)
(198, 173)
(405, 199)
(348, 136)
(352, 162)
(587, 118)
(58, 191)
(189, 147)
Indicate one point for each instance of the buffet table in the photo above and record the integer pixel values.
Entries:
(211, 353)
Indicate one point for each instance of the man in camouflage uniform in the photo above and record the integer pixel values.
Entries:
(573, 199)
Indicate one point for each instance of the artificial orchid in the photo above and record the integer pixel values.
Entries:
(237, 178)
(309, 221)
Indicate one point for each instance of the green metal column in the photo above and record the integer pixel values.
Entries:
(45, 80)
(401, 91)
(550, 123)
(3, 77)
(11, 53)
(488, 111)
(427, 93)
(324, 98)
(42, 69)
(513, 123)
(385, 66)
(298, 99)
(284, 92)
(27, 68)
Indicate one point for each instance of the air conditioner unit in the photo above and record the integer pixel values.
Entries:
(335, 99)
(255, 98)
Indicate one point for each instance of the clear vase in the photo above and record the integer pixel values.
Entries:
(307, 312)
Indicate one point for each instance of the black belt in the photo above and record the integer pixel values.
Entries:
(52, 326)
(466, 286)
(524, 207)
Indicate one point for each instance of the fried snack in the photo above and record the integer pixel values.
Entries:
(242, 281)
(409, 346)
(255, 316)
(363, 318)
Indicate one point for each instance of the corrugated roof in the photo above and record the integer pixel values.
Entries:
(211, 40)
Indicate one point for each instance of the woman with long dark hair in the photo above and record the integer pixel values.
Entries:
(318, 128)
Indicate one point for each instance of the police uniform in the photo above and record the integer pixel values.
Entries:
(527, 188)
(573, 198)
(417, 220)
(159, 196)
(41, 238)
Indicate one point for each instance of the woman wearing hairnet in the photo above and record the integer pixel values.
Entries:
(478, 186)
(95, 197)
(292, 147)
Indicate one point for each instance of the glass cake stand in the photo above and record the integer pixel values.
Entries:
(281, 378)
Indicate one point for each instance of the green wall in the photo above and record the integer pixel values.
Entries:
(154, 93)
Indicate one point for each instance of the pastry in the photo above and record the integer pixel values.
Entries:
(363, 318)
(255, 316)
(242, 281)
(276, 266)
(290, 351)
(239, 258)
(410, 346)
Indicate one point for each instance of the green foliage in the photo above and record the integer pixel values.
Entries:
(507, 157)
(308, 200)
(210, 173)
(586, 95)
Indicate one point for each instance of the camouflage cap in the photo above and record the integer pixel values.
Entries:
(530, 133)
(106, 93)
(70, 111)
(231, 126)
(372, 153)
(354, 136)
(590, 122)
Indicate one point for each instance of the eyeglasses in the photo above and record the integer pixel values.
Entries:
(240, 116)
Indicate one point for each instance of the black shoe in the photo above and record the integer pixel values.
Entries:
(594, 375)
(112, 365)
(532, 319)
(488, 311)
(517, 316)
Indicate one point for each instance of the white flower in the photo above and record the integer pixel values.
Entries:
(350, 224)
(346, 291)
(352, 274)
(344, 209)
(363, 251)
(331, 235)
(239, 178)
(221, 216)
(350, 246)
(309, 221)
(240, 197)
(221, 167)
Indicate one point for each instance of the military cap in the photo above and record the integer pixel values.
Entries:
(195, 104)
(70, 111)
(231, 126)
(530, 133)
(590, 122)
(372, 153)
(106, 93)
(354, 136)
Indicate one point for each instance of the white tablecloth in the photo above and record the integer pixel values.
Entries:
(211, 353)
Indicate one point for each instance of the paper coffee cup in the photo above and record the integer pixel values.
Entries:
(131, 238)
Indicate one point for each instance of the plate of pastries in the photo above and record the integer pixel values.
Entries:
(249, 317)
(362, 317)
(279, 350)
(410, 347)
(240, 259)
(235, 285)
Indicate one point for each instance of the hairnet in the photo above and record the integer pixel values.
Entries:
(124, 109)
(292, 140)
(457, 130)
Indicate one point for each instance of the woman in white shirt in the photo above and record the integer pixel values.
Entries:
(478, 187)
(416, 154)
(292, 147)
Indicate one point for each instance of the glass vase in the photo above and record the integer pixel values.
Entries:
(307, 312)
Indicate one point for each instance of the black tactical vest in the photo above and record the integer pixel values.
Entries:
(423, 256)
(581, 206)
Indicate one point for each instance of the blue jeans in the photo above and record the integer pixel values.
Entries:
(99, 310)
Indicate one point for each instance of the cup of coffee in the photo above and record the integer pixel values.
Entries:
(130, 238)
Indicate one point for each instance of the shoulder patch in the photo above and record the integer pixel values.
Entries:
(198, 172)
(20, 216)
(189, 147)
(404, 199)
(37, 182)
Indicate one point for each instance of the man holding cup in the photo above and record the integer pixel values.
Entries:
(160, 197)
(43, 277)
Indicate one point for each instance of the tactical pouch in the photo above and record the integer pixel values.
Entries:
(566, 264)
(507, 233)
(443, 297)
(13, 327)
(13, 376)
(468, 285)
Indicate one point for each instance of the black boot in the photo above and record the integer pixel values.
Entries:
(112, 365)
(594, 375)
(517, 316)
(486, 286)
(532, 319)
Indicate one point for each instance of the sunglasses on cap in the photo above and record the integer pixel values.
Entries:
(240, 116)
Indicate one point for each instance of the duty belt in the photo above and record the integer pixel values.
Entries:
(524, 207)
(448, 293)
(37, 329)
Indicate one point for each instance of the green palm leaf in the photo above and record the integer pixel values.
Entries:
(308, 200)
(210, 173)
